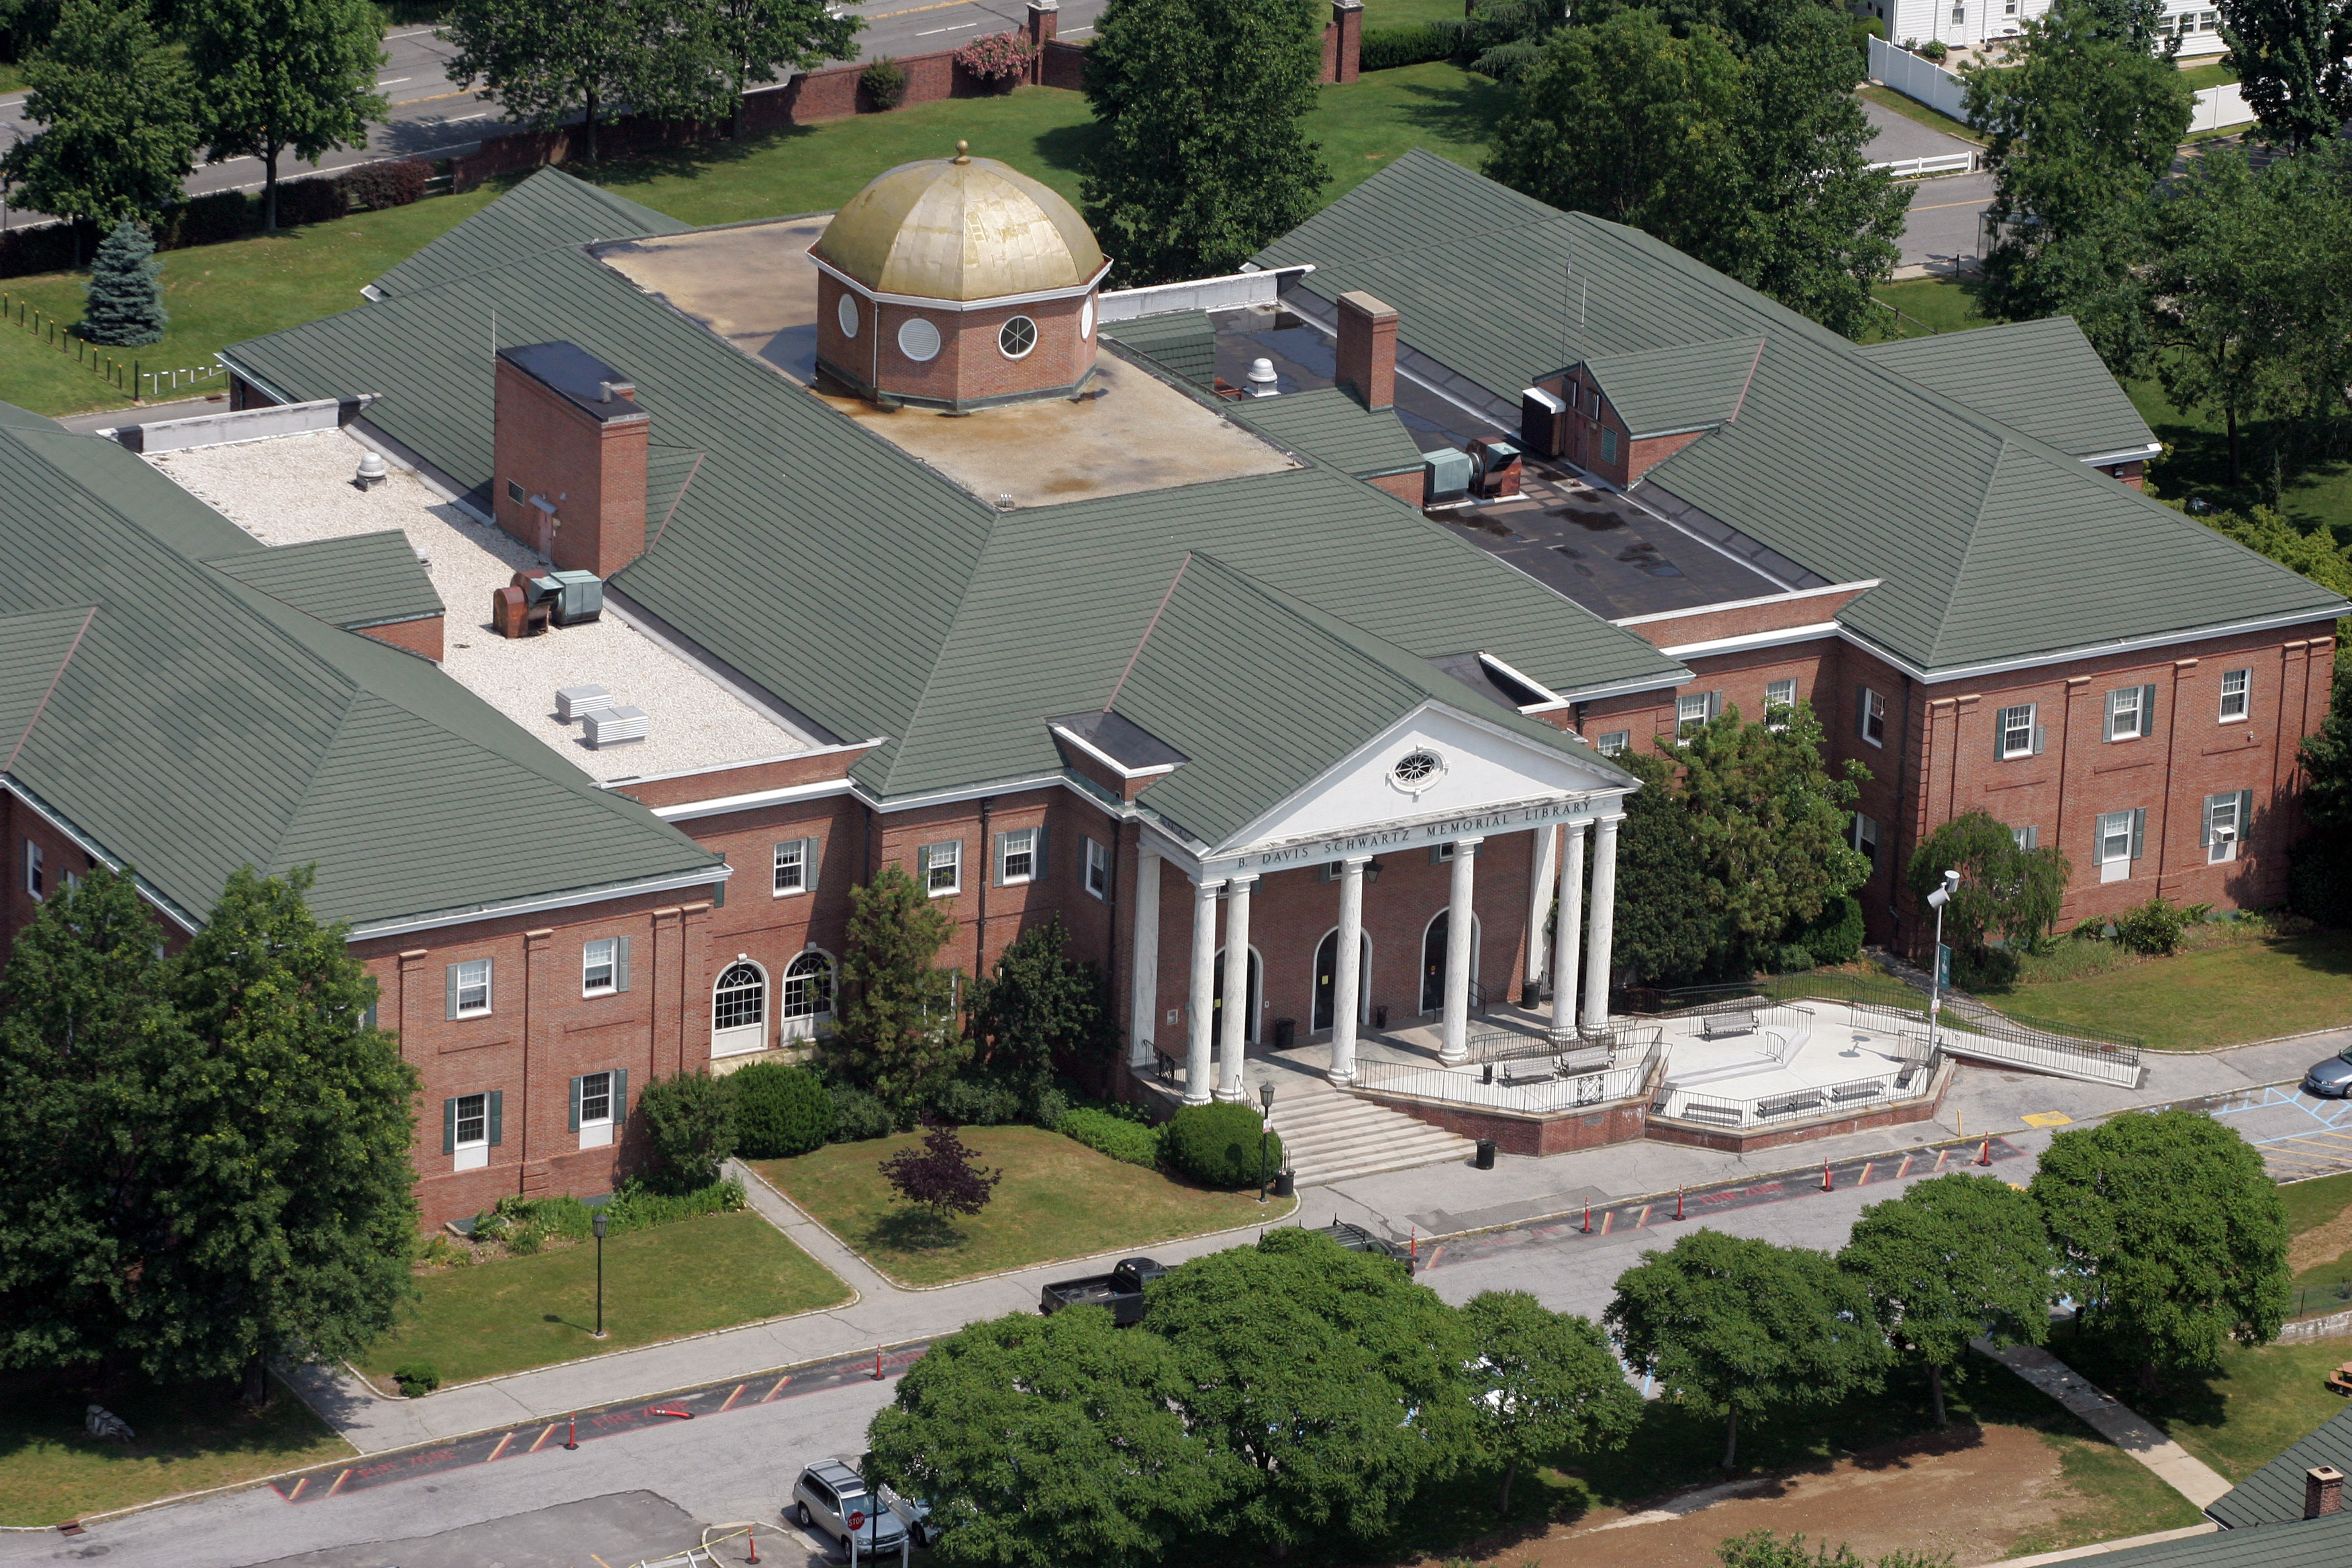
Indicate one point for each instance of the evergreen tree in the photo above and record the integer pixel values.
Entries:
(1202, 160)
(285, 76)
(118, 132)
(2003, 886)
(2291, 60)
(1669, 932)
(898, 1036)
(125, 304)
(1041, 1006)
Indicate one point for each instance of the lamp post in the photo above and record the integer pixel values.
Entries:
(1264, 1132)
(1937, 901)
(597, 1225)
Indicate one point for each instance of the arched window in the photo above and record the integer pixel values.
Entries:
(807, 1000)
(738, 1010)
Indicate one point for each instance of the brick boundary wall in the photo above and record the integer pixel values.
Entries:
(1532, 1136)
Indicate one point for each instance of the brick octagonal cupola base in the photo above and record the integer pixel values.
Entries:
(957, 283)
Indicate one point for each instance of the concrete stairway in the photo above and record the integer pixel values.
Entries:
(1331, 1136)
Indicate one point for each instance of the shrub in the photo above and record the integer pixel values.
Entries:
(979, 1101)
(212, 219)
(394, 183)
(1386, 48)
(317, 200)
(780, 1110)
(885, 82)
(1217, 1145)
(1934, 49)
(943, 1177)
(1046, 1108)
(635, 1206)
(417, 1378)
(1836, 935)
(690, 1131)
(1128, 1141)
(2153, 927)
(1862, 29)
(994, 57)
(857, 1115)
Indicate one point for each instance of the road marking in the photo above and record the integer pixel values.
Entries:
(600, 1562)
(936, 5)
(1899, 1170)
(733, 1397)
(339, 1483)
(1432, 1257)
(1073, 32)
(2047, 1119)
(1939, 207)
(933, 32)
(501, 1449)
(395, 81)
(778, 1389)
(297, 1489)
(1644, 1217)
(543, 1437)
(462, 119)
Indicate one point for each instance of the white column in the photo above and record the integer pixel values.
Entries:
(1143, 985)
(1204, 992)
(1460, 925)
(1571, 931)
(1233, 1040)
(1539, 892)
(1604, 920)
(1346, 975)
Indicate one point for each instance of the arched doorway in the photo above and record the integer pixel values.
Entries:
(1255, 1004)
(738, 1009)
(1433, 961)
(1327, 972)
(806, 1006)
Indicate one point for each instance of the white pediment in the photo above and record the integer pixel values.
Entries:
(1485, 779)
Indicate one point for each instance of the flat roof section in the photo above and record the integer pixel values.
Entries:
(752, 283)
(1305, 358)
(295, 490)
(1611, 556)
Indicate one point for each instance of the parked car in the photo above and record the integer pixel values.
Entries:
(832, 1500)
(913, 1510)
(1356, 1238)
(1121, 1290)
(2331, 1078)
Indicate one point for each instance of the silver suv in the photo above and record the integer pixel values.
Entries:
(832, 1500)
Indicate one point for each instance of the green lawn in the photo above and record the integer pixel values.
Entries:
(2222, 995)
(1406, 12)
(1912, 109)
(2212, 73)
(188, 1439)
(1927, 306)
(1058, 1199)
(2237, 1420)
(684, 1277)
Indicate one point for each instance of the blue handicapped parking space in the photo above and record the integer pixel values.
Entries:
(2299, 1134)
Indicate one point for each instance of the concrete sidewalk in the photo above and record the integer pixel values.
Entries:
(2191, 1477)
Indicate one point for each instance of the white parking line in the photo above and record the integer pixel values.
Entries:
(396, 81)
(959, 27)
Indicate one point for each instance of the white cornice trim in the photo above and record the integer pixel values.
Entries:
(1625, 687)
(2092, 650)
(1791, 596)
(718, 871)
(97, 852)
(784, 795)
(1775, 638)
(1549, 701)
(925, 302)
(620, 785)
(2129, 454)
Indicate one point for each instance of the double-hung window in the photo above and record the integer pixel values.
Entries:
(2225, 824)
(1614, 743)
(2121, 833)
(1866, 839)
(605, 966)
(2027, 838)
(1781, 695)
(2019, 736)
(469, 1129)
(599, 1101)
(470, 988)
(1692, 713)
(942, 868)
(1016, 856)
(796, 868)
(1097, 868)
(2237, 693)
(2131, 713)
(1870, 716)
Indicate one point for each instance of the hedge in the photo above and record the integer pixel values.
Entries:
(1131, 1142)
(1385, 48)
(1217, 1145)
(780, 1110)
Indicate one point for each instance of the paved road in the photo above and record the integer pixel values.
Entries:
(911, 26)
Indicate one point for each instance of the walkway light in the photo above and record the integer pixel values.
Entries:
(596, 1224)
(1264, 1131)
(1937, 901)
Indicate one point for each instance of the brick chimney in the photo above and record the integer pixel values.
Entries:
(1367, 331)
(2322, 1490)
(570, 457)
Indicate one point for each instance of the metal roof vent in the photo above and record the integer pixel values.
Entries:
(616, 726)
(579, 701)
(372, 471)
(1262, 378)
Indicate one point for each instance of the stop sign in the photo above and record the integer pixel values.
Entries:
(856, 1518)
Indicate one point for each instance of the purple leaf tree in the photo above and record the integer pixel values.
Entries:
(943, 1177)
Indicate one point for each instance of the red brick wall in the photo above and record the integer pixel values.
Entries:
(421, 636)
(1407, 487)
(59, 855)
(1367, 349)
(1532, 1136)
(595, 471)
(1651, 451)
(719, 783)
(970, 366)
(1063, 65)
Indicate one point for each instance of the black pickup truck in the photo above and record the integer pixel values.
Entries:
(1121, 1290)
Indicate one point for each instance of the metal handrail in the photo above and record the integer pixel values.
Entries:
(1564, 1092)
(1880, 1089)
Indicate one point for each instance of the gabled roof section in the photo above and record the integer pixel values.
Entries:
(2040, 377)
(2324, 1542)
(1993, 560)
(1672, 391)
(366, 580)
(34, 649)
(546, 211)
(1328, 426)
(2274, 1494)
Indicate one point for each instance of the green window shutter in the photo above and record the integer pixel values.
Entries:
(1713, 705)
(2035, 717)
(453, 991)
(620, 1095)
(575, 1105)
(2245, 815)
(498, 1115)
(448, 1127)
(2139, 830)
(1037, 854)
(996, 863)
(2110, 732)
(621, 965)
(718, 889)
(1999, 734)
(923, 866)
(809, 849)
(2147, 711)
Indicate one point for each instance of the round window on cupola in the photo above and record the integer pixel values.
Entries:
(919, 340)
(1016, 337)
(846, 311)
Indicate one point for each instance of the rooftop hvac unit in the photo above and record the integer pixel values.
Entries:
(579, 597)
(614, 726)
(1498, 467)
(579, 701)
(1446, 475)
(512, 614)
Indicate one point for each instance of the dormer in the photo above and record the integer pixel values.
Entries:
(1121, 757)
(1616, 416)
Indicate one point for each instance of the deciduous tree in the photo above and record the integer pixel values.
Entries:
(1041, 1006)
(2003, 886)
(1735, 1327)
(1202, 159)
(761, 39)
(944, 1177)
(898, 1034)
(542, 59)
(275, 76)
(2172, 1232)
(1542, 1383)
(118, 129)
(1952, 1258)
(1671, 931)
(2290, 57)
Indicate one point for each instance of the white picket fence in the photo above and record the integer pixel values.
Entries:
(1924, 81)
(1920, 168)
(2221, 106)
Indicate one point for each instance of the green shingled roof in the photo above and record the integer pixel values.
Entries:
(878, 599)
(2318, 1543)
(131, 667)
(2041, 377)
(363, 580)
(2274, 1494)
(2013, 548)
(1183, 343)
(1670, 391)
(546, 211)
(1330, 428)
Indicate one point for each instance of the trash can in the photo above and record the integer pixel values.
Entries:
(1485, 1154)
(1380, 1017)
(1284, 1183)
(1285, 1030)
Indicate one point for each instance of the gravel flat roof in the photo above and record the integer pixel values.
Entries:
(292, 490)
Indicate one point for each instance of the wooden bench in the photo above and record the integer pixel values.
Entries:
(1872, 1090)
(1723, 1023)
